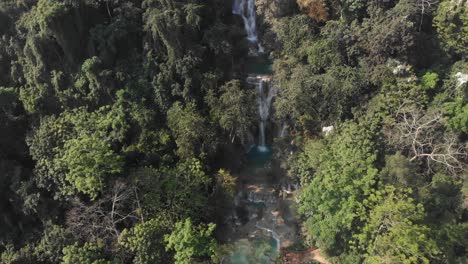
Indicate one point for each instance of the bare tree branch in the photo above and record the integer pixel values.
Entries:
(424, 138)
(105, 218)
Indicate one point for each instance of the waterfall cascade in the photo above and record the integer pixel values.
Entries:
(266, 93)
(246, 9)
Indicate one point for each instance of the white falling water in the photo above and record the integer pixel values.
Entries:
(264, 100)
(246, 9)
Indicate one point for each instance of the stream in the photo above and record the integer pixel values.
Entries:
(263, 218)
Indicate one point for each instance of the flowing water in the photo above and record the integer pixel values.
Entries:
(246, 9)
(265, 94)
(263, 218)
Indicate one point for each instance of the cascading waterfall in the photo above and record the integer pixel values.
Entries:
(264, 103)
(249, 17)
(265, 95)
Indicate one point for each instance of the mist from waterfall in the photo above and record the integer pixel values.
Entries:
(246, 9)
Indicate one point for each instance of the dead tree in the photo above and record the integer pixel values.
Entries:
(426, 7)
(105, 218)
(424, 138)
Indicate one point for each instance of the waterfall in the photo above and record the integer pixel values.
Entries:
(264, 104)
(249, 17)
(265, 95)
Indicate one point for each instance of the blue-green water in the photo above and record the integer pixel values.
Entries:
(259, 65)
(262, 250)
(258, 158)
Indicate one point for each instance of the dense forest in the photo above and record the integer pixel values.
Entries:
(124, 125)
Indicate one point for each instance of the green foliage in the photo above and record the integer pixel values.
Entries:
(443, 199)
(323, 54)
(140, 94)
(429, 80)
(74, 151)
(87, 161)
(353, 9)
(53, 241)
(393, 220)
(328, 97)
(399, 171)
(226, 182)
(179, 191)
(293, 33)
(175, 25)
(190, 142)
(395, 93)
(451, 22)
(452, 239)
(234, 109)
(43, 14)
(190, 242)
(388, 33)
(344, 177)
(146, 241)
(457, 115)
(24, 255)
(86, 254)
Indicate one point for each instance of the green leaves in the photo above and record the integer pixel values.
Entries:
(234, 109)
(145, 240)
(344, 175)
(392, 233)
(191, 143)
(451, 22)
(87, 161)
(74, 151)
(191, 242)
(457, 115)
(429, 80)
(87, 254)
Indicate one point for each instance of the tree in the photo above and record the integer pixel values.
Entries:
(444, 200)
(315, 9)
(74, 151)
(190, 142)
(234, 109)
(421, 134)
(388, 33)
(451, 23)
(325, 97)
(343, 177)
(88, 161)
(294, 33)
(86, 254)
(191, 243)
(179, 191)
(429, 80)
(54, 239)
(146, 241)
(399, 171)
(102, 221)
(392, 232)
(457, 113)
